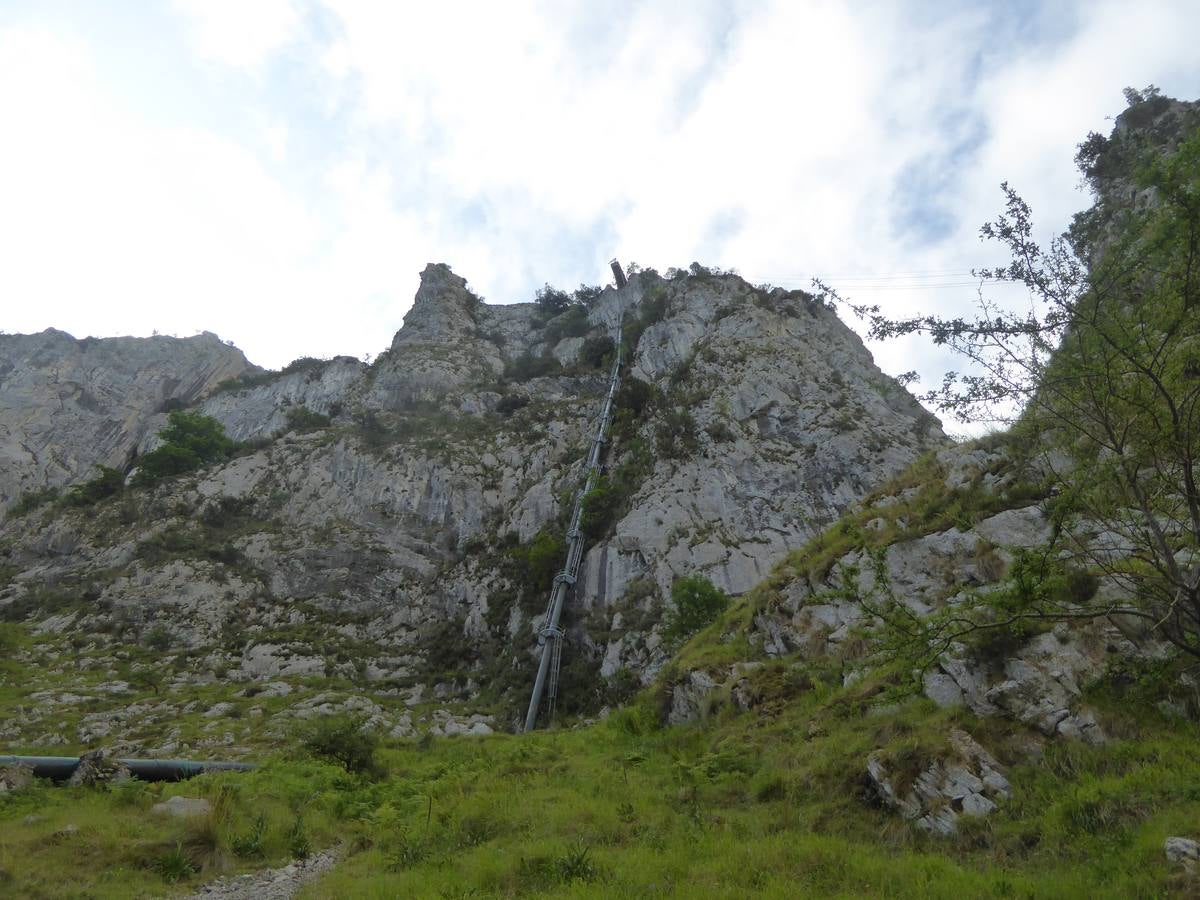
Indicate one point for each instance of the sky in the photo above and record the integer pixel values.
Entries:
(280, 171)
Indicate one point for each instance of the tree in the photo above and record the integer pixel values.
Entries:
(190, 440)
(107, 482)
(697, 604)
(551, 300)
(1104, 373)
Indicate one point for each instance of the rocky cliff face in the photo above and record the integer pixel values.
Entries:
(67, 405)
(396, 541)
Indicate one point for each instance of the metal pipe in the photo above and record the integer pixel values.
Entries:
(551, 634)
(60, 768)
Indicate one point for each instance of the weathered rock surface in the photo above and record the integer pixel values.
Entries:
(68, 405)
(15, 778)
(965, 781)
(368, 549)
(1182, 851)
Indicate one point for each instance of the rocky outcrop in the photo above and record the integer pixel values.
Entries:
(68, 405)
(381, 531)
(964, 780)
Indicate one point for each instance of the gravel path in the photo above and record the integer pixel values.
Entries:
(269, 884)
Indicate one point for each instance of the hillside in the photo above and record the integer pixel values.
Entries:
(935, 669)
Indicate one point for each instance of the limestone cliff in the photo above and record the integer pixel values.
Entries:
(389, 543)
(67, 405)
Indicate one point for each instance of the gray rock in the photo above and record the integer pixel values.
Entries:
(98, 767)
(1182, 851)
(965, 780)
(15, 778)
(182, 807)
(67, 405)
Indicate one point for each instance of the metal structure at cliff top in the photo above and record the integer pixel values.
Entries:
(551, 636)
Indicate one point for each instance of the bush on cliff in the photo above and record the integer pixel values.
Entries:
(190, 440)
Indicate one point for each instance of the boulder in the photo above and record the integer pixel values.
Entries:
(963, 780)
(1182, 851)
(98, 767)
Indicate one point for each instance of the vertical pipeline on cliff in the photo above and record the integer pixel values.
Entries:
(551, 635)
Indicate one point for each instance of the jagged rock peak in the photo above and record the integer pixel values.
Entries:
(442, 311)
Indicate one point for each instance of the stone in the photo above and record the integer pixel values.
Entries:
(182, 807)
(963, 780)
(15, 778)
(1182, 851)
(98, 767)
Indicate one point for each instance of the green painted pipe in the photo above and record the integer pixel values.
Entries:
(60, 768)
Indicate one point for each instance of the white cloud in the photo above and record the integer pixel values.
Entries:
(525, 142)
(240, 33)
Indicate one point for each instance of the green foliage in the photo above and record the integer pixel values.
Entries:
(301, 418)
(597, 352)
(527, 366)
(551, 300)
(249, 844)
(159, 638)
(571, 323)
(651, 311)
(675, 436)
(510, 403)
(190, 440)
(174, 865)
(345, 740)
(31, 500)
(541, 559)
(587, 294)
(696, 603)
(600, 506)
(12, 636)
(1103, 365)
(107, 483)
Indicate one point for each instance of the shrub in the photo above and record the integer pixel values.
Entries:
(587, 294)
(301, 418)
(510, 403)
(106, 484)
(697, 603)
(596, 352)
(174, 865)
(528, 366)
(345, 740)
(675, 436)
(190, 441)
(600, 506)
(249, 844)
(541, 559)
(31, 500)
(551, 300)
(572, 323)
(159, 638)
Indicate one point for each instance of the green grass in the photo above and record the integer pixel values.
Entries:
(768, 803)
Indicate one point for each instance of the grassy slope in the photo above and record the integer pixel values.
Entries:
(771, 802)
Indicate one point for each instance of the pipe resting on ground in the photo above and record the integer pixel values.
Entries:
(60, 768)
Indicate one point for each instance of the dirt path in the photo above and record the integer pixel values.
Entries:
(269, 884)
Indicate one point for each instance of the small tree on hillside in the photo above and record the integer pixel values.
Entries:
(696, 603)
(1104, 372)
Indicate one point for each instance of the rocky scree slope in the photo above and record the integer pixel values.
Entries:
(385, 539)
